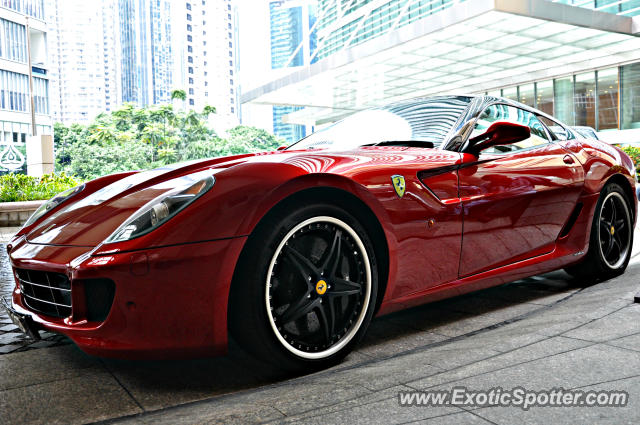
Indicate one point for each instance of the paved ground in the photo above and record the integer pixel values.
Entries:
(538, 333)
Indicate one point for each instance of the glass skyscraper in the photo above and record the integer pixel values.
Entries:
(147, 61)
(291, 25)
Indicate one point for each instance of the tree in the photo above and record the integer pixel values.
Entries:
(179, 94)
(132, 137)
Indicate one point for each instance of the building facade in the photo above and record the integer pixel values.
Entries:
(209, 58)
(576, 59)
(293, 42)
(147, 58)
(83, 60)
(23, 42)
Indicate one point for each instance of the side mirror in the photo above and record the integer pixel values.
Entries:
(499, 133)
(281, 148)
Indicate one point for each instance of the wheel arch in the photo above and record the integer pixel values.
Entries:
(629, 191)
(350, 202)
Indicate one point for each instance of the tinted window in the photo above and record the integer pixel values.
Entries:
(429, 120)
(495, 113)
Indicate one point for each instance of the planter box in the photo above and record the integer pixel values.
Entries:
(13, 214)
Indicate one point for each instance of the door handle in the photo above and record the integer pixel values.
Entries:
(568, 159)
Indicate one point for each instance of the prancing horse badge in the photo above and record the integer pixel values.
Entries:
(398, 184)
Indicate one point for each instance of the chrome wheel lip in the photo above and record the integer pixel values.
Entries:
(365, 305)
(624, 253)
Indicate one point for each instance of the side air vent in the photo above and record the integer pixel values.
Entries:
(572, 220)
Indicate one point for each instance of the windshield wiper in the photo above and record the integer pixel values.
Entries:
(408, 143)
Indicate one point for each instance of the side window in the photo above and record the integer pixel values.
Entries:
(512, 114)
(559, 131)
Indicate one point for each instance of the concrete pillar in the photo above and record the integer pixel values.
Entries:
(39, 155)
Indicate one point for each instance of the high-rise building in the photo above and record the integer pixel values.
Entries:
(23, 33)
(292, 45)
(207, 31)
(106, 52)
(82, 57)
(147, 56)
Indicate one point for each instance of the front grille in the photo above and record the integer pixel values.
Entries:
(45, 292)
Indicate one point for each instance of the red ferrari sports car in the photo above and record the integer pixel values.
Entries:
(293, 252)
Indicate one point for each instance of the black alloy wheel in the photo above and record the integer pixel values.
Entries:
(305, 287)
(611, 239)
(318, 287)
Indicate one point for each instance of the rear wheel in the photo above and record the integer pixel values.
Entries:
(305, 287)
(611, 238)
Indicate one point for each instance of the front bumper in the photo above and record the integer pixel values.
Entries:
(169, 302)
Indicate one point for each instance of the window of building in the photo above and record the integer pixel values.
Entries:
(232, 110)
(204, 22)
(230, 54)
(230, 45)
(563, 100)
(630, 96)
(205, 63)
(190, 90)
(230, 63)
(231, 72)
(190, 59)
(231, 90)
(189, 17)
(188, 6)
(189, 27)
(190, 70)
(189, 49)
(192, 102)
(526, 94)
(204, 53)
(231, 81)
(510, 93)
(608, 99)
(189, 38)
(206, 94)
(544, 96)
(13, 42)
(206, 83)
(584, 98)
(190, 80)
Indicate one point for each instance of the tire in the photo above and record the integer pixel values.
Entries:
(305, 288)
(611, 238)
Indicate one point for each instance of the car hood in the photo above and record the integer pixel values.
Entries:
(90, 217)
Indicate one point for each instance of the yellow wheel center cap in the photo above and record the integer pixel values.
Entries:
(321, 287)
(613, 230)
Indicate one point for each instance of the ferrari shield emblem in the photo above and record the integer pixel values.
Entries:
(398, 184)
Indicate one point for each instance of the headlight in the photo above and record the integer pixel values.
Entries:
(52, 203)
(162, 208)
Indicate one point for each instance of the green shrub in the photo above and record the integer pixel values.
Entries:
(634, 153)
(20, 187)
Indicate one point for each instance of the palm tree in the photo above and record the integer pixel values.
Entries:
(180, 95)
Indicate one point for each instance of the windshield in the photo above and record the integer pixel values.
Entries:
(427, 120)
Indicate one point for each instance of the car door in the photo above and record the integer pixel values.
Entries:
(516, 198)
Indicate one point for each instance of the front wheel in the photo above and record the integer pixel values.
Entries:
(611, 238)
(305, 288)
